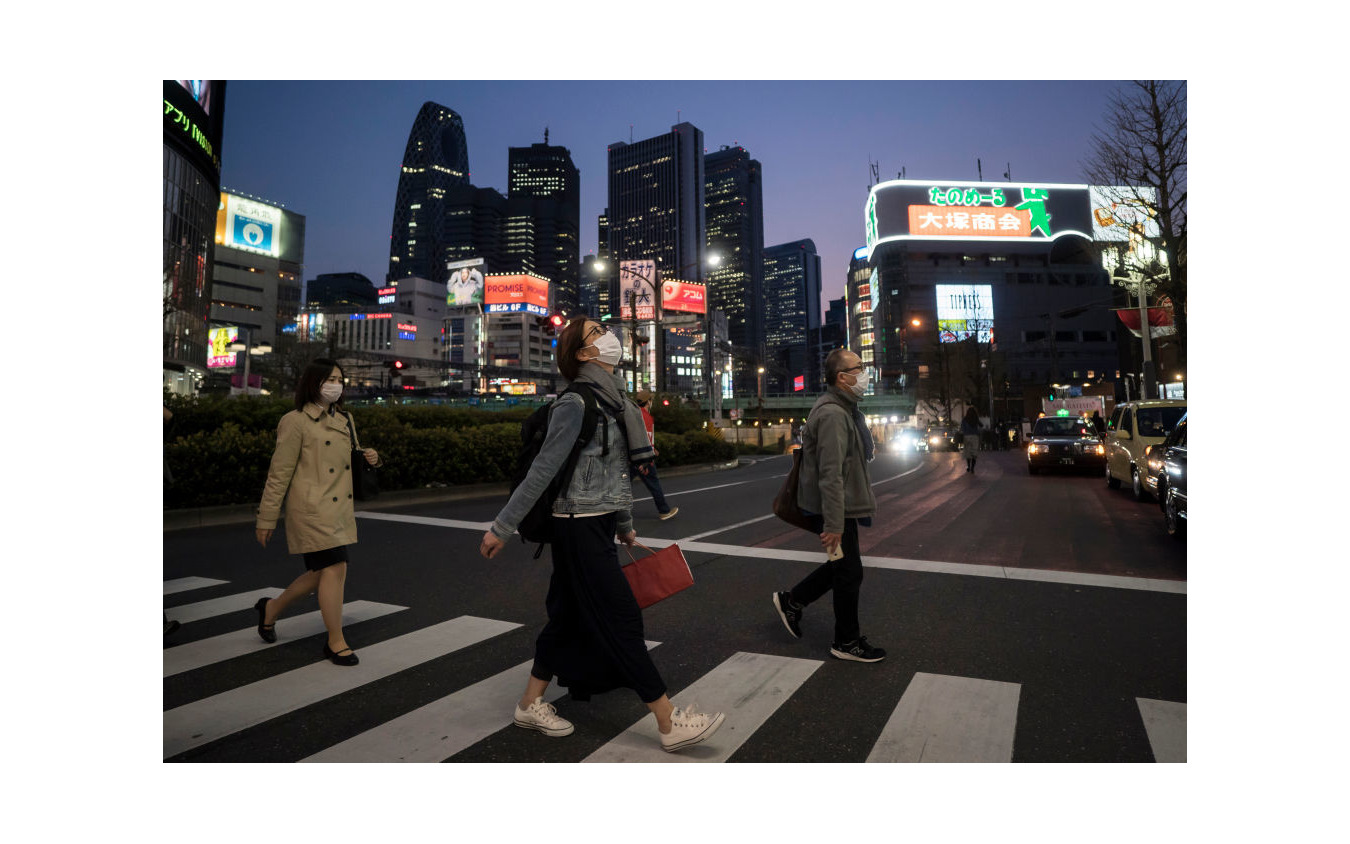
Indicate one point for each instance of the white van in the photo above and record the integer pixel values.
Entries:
(1134, 426)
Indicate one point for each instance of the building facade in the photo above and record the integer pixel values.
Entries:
(341, 290)
(435, 160)
(546, 183)
(194, 117)
(791, 307)
(733, 192)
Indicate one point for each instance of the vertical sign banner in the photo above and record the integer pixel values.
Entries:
(637, 281)
(220, 356)
(799, 383)
(965, 310)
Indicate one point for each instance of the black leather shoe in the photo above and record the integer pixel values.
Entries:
(337, 658)
(268, 632)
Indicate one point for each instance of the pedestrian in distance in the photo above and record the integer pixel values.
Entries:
(834, 490)
(593, 641)
(647, 469)
(1098, 423)
(970, 437)
(311, 472)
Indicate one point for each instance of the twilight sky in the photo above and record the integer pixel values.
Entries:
(332, 150)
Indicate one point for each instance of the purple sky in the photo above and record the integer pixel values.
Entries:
(331, 150)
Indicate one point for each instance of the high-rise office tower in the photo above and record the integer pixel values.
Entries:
(544, 228)
(435, 161)
(735, 220)
(331, 291)
(791, 313)
(656, 212)
(604, 281)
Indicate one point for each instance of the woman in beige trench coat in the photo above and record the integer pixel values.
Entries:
(311, 471)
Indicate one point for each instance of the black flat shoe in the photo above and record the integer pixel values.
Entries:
(268, 632)
(349, 659)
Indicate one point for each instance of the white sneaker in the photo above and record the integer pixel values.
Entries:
(688, 728)
(544, 718)
(669, 514)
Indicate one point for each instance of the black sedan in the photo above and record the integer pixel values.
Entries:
(1172, 479)
(942, 438)
(1067, 442)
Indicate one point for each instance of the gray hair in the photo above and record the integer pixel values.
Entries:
(834, 364)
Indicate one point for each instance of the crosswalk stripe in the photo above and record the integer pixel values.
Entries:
(748, 688)
(950, 719)
(187, 584)
(1165, 723)
(221, 606)
(229, 645)
(208, 719)
(422, 520)
(444, 727)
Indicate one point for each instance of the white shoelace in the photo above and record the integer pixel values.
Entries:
(687, 717)
(544, 712)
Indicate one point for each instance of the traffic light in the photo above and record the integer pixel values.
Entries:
(558, 321)
(395, 368)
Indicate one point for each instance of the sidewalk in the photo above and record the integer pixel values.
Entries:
(236, 514)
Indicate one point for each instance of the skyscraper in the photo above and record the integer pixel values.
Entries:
(543, 185)
(435, 160)
(791, 313)
(656, 212)
(735, 220)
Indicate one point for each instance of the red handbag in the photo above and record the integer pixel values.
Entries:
(658, 575)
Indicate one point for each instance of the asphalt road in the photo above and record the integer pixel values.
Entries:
(1032, 618)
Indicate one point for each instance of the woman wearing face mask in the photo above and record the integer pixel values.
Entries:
(593, 641)
(311, 470)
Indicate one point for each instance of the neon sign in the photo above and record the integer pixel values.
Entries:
(967, 197)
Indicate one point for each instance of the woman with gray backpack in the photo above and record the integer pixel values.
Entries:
(593, 641)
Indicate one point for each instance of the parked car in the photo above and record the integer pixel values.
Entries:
(1134, 426)
(942, 438)
(1068, 442)
(1171, 482)
(908, 440)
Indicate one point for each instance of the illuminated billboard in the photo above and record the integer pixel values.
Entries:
(515, 293)
(684, 296)
(194, 115)
(903, 210)
(248, 225)
(220, 338)
(465, 284)
(637, 283)
(963, 311)
(1124, 214)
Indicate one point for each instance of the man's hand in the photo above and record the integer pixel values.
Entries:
(490, 545)
(627, 538)
(645, 468)
(830, 541)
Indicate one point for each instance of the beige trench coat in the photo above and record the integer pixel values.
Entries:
(311, 471)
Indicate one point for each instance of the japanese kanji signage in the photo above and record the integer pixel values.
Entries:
(637, 283)
(977, 211)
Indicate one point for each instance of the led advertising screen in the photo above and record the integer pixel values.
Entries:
(1124, 214)
(637, 281)
(219, 356)
(465, 283)
(963, 311)
(248, 225)
(518, 292)
(975, 211)
(194, 112)
(684, 296)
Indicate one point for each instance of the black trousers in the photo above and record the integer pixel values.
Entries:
(843, 577)
(593, 641)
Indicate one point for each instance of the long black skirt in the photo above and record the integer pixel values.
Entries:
(593, 641)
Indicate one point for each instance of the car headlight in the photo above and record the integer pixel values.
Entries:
(934, 440)
(1033, 448)
(1100, 449)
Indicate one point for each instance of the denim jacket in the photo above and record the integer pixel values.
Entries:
(601, 482)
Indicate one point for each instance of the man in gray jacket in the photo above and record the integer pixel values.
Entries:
(834, 489)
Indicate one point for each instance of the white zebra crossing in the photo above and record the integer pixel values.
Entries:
(950, 719)
(206, 720)
(1165, 723)
(748, 688)
(437, 731)
(221, 606)
(203, 652)
(187, 584)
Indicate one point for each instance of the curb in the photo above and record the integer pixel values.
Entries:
(237, 514)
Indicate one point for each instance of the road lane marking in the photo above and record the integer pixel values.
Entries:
(222, 606)
(1144, 584)
(950, 719)
(187, 584)
(192, 655)
(444, 727)
(1165, 723)
(208, 719)
(423, 520)
(707, 488)
(748, 688)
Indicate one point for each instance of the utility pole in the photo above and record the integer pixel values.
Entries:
(1150, 386)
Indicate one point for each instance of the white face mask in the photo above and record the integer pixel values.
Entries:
(610, 349)
(859, 386)
(330, 393)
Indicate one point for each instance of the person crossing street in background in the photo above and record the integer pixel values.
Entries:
(647, 469)
(834, 489)
(970, 437)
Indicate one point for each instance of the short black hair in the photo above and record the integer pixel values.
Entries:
(834, 364)
(307, 388)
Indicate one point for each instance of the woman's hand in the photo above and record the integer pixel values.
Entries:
(627, 538)
(830, 541)
(264, 534)
(490, 545)
(371, 456)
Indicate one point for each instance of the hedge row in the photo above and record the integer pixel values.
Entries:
(228, 465)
